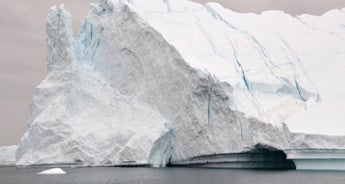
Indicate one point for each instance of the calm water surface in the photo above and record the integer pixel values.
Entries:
(11, 175)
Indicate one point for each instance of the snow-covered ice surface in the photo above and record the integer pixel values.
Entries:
(150, 82)
(53, 171)
(8, 155)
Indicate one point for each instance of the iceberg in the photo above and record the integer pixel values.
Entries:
(52, 171)
(160, 82)
(8, 155)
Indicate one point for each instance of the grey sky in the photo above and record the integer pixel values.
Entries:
(23, 49)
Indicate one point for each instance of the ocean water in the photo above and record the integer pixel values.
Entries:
(113, 175)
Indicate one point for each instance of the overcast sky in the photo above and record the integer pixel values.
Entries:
(23, 48)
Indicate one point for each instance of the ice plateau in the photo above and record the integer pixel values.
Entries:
(162, 81)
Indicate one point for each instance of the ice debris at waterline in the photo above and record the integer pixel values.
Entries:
(157, 82)
(53, 171)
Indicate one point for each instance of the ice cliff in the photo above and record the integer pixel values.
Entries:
(159, 81)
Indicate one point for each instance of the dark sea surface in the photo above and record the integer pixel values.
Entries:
(109, 175)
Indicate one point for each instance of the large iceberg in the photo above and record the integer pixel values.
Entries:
(157, 82)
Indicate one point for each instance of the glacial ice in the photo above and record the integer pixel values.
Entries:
(8, 155)
(156, 82)
(52, 171)
(318, 159)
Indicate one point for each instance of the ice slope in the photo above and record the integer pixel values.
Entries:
(8, 155)
(151, 82)
(283, 60)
